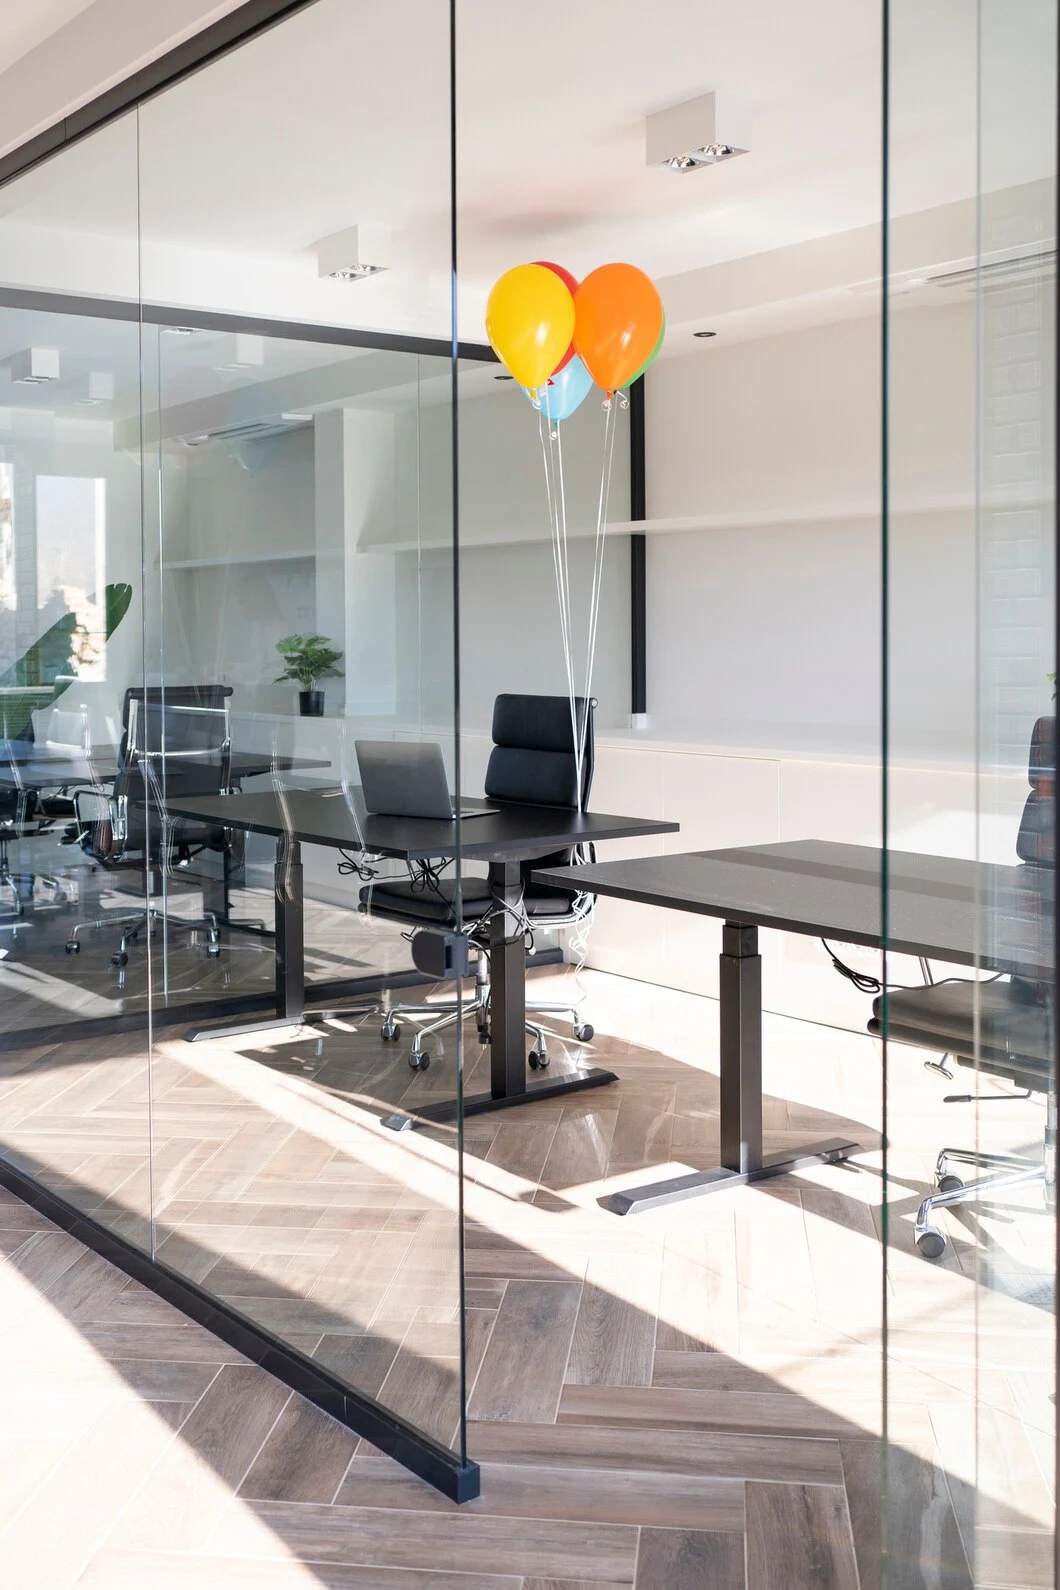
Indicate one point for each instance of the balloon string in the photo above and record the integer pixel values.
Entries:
(557, 536)
(577, 731)
(598, 570)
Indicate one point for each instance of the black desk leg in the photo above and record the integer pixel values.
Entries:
(508, 1039)
(290, 950)
(742, 1159)
(740, 1018)
(507, 987)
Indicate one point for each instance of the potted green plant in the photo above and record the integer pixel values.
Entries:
(307, 659)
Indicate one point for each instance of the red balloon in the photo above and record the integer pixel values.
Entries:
(572, 286)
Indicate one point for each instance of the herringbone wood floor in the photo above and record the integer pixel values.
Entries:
(690, 1398)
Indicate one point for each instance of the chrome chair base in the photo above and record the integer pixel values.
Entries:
(1013, 1171)
(134, 924)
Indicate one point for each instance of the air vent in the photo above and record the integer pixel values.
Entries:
(1000, 272)
(249, 430)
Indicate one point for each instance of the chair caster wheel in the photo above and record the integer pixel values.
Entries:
(484, 1036)
(950, 1184)
(538, 1061)
(584, 1031)
(390, 1033)
(931, 1244)
(419, 1062)
(213, 951)
(120, 959)
(73, 947)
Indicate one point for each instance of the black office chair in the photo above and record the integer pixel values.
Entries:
(533, 762)
(1003, 1027)
(175, 741)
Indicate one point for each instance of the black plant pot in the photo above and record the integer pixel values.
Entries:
(311, 703)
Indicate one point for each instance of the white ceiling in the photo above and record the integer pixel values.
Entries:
(342, 115)
(25, 23)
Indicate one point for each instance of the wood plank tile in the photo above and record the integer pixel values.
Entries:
(924, 1543)
(521, 1148)
(614, 1338)
(96, 1478)
(304, 1457)
(809, 1461)
(363, 1361)
(598, 1496)
(158, 1380)
(691, 1559)
(580, 1148)
(113, 1569)
(190, 1490)
(25, 1464)
(799, 1538)
(522, 1372)
(355, 1535)
(677, 1409)
(1023, 1558)
(566, 1584)
(698, 1298)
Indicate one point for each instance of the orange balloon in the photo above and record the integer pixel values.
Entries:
(618, 316)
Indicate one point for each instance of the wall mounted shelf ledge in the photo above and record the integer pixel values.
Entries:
(236, 557)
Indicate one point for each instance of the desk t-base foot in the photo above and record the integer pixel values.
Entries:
(742, 1159)
(483, 1103)
(509, 1085)
(653, 1195)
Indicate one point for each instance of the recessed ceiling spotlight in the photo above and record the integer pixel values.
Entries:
(704, 333)
(700, 132)
(504, 378)
(355, 254)
(180, 331)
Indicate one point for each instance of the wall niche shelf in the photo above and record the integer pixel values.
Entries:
(247, 557)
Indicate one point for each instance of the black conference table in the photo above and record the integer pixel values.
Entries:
(98, 765)
(938, 908)
(44, 769)
(504, 837)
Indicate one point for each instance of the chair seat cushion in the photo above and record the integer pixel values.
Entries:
(1014, 1030)
(404, 901)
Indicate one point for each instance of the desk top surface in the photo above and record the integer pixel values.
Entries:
(52, 768)
(322, 817)
(940, 907)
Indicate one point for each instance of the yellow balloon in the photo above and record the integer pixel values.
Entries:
(530, 322)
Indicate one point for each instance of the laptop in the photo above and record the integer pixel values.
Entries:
(406, 778)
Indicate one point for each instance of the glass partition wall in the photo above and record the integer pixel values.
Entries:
(969, 780)
(229, 554)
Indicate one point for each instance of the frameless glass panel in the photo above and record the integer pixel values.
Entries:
(74, 853)
(969, 873)
(301, 604)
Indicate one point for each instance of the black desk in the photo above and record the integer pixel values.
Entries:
(45, 769)
(937, 908)
(504, 838)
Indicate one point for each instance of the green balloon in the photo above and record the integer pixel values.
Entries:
(652, 354)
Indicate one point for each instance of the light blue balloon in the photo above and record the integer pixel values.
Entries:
(567, 389)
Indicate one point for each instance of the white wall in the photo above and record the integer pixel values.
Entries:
(764, 628)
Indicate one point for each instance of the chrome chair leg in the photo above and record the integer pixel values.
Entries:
(930, 1241)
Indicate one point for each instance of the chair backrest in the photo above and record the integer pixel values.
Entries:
(181, 735)
(533, 758)
(1036, 840)
(187, 717)
(67, 730)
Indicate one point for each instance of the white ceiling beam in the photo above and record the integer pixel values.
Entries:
(94, 51)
